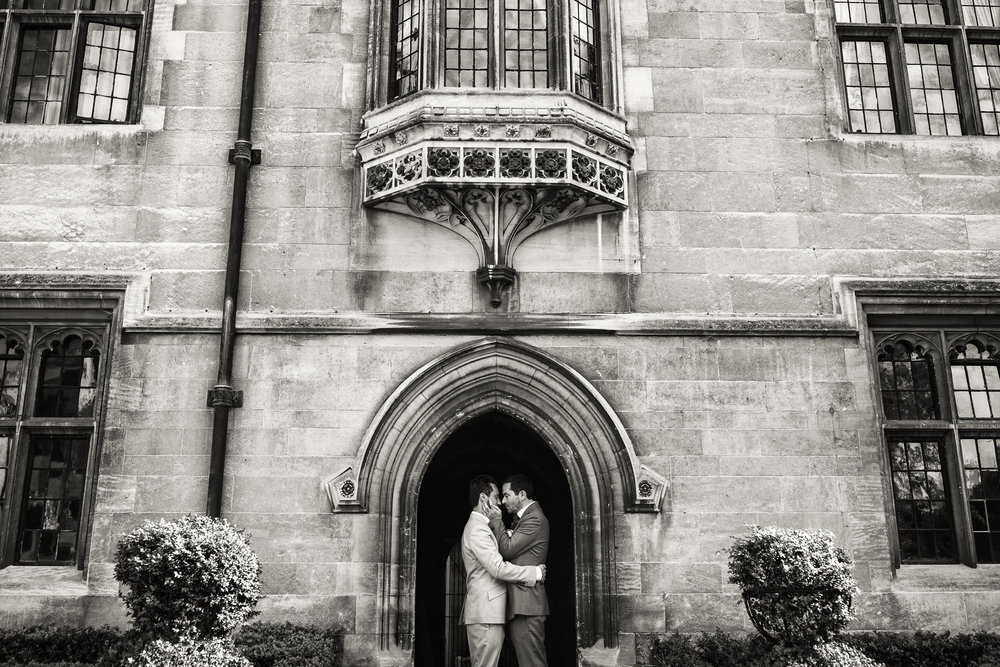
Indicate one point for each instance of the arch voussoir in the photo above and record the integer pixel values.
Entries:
(560, 405)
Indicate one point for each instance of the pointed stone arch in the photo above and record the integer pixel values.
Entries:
(559, 404)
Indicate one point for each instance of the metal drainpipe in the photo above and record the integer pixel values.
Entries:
(223, 396)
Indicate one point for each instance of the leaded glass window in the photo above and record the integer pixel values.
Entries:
(923, 514)
(11, 365)
(940, 404)
(51, 377)
(500, 44)
(975, 380)
(73, 61)
(54, 500)
(923, 67)
(68, 378)
(906, 377)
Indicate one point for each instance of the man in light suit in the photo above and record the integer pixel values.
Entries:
(485, 609)
(525, 543)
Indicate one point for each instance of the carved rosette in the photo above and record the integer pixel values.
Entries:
(496, 193)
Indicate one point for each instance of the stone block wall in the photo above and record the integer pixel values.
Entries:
(749, 200)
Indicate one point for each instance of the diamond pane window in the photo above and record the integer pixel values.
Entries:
(11, 365)
(922, 12)
(982, 481)
(923, 515)
(984, 13)
(67, 383)
(42, 69)
(53, 500)
(906, 377)
(986, 77)
(869, 92)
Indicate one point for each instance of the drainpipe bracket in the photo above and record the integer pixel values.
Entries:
(241, 152)
(223, 396)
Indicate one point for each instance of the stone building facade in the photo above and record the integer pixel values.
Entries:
(690, 265)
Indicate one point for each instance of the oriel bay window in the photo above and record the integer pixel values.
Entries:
(50, 402)
(73, 61)
(928, 67)
(940, 405)
(505, 44)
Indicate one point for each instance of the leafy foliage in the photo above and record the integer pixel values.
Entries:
(186, 652)
(287, 645)
(798, 583)
(48, 645)
(196, 577)
(928, 649)
(263, 644)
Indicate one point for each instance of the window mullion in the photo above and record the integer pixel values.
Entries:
(901, 83)
(961, 512)
(495, 52)
(968, 99)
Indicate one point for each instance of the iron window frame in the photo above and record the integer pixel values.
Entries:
(431, 51)
(896, 35)
(948, 428)
(43, 314)
(13, 21)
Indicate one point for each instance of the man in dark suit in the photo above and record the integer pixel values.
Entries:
(525, 543)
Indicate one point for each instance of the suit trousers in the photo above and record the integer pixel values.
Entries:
(527, 634)
(485, 642)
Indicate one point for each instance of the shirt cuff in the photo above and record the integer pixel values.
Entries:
(538, 573)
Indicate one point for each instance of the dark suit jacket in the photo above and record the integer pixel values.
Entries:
(528, 545)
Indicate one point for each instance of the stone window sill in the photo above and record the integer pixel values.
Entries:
(956, 578)
(43, 580)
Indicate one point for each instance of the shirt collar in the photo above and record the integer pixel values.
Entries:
(520, 512)
(480, 517)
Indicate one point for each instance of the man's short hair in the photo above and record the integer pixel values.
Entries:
(518, 483)
(480, 484)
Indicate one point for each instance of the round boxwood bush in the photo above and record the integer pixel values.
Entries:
(186, 652)
(195, 577)
(797, 584)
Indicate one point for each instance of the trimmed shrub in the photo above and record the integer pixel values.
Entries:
(48, 645)
(186, 652)
(195, 577)
(834, 654)
(928, 649)
(797, 584)
(287, 645)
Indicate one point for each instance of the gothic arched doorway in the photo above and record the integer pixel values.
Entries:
(458, 388)
(498, 445)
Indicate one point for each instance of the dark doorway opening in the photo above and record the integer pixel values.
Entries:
(497, 445)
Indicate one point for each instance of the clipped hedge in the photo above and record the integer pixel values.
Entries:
(263, 644)
(922, 649)
(48, 645)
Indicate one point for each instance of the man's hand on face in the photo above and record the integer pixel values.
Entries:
(490, 510)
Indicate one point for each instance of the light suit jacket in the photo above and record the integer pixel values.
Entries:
(528, 544)
(485, 574)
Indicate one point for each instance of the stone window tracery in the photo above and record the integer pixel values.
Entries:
(52, 379)
(941, 418)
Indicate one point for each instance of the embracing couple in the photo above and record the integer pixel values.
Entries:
(505, 572)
